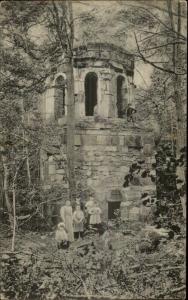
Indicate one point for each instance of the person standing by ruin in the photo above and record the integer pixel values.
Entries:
(61, 236)
(78, 222)
(67, 218)
(95, 216)
(130, 113)
(88, 206)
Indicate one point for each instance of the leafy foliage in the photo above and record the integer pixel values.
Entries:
(170, 188)
(130, 271)
(26, 62)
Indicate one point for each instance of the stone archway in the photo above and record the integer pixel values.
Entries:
(121, 96)
(114, 203)
(91, 80)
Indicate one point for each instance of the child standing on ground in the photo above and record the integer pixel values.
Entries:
(78, 222)
(61, 236)
(95, 216)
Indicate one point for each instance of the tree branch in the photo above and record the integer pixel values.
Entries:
(159, 20)
(81, 280)
(153, 64)
(161, 46)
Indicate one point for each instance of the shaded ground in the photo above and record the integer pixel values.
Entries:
(132, 268)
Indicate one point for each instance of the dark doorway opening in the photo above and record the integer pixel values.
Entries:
(59, 105)
(113, 208)
(90, 93)
(120, 96)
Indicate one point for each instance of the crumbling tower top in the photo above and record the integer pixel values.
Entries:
(103, 83)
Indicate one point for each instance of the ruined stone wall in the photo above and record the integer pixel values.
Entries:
(104, 151)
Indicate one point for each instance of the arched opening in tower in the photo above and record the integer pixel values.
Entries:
(90, 93)
(121, 94)
(59, 97)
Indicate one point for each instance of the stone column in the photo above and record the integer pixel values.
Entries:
(106, 108)
(43, 158)
(124, 95)
(131, 91)
(51, 166)
(65, 99)
(49, 104)
(79, 87)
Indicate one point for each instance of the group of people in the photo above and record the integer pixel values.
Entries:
(75, 222)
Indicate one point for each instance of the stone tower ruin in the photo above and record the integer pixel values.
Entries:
(106, 144)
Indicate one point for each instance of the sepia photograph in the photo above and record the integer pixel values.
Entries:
(93, 114)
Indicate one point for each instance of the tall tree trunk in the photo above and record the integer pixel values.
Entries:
(177, 90)
(70, 104)
(70, 131)
(14, 216)
(177, 83)
(177, 79)
(63, 15)
(6, 187)
(28, 166)
(14, 208)
(25, 147)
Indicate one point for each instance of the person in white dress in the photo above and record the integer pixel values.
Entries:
(88, 206)
(61, 236)
(95, 218)
(67, 218)
(78, 222)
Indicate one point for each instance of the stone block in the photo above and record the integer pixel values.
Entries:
(84, 167)
(60, 171)
(133, 141)
(148, 139)
(133, 195)
(110, 148)
(88, 148)
(89, 140)
(51, 169)
(96, 163)
(121, 140)
(100, 158)
(149, 188)
(125, 208)
(62, 121)
(124, 149)
(114, 140)
(129, 141)
(77, 140)
(52, 177)
(147, 150)
(89, 182)
(88, 172)
(59, 177)
(101, 140)
(124, 169)
(105, 172)
(134, 213)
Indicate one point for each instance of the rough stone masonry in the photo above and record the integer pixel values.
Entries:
(106, 144)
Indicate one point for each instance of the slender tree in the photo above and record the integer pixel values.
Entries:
(64, 23)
